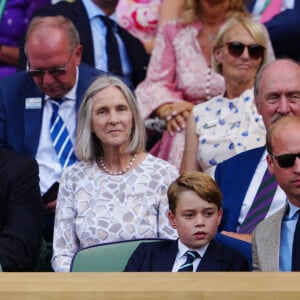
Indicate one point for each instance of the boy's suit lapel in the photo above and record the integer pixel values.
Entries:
(166, 257)
(213, 258)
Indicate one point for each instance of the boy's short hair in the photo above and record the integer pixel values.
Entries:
(200, 183)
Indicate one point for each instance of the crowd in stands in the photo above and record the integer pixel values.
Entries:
(169, 119)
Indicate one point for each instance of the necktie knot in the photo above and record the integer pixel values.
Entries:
(110, 24)
(188, 265)
(55, 105)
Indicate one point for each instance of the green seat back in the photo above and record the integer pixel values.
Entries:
(110, 257)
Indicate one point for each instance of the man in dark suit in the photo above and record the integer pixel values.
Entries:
(55, 74)
(277, 93)
(21, 212)
(195, 212)
(85, 14)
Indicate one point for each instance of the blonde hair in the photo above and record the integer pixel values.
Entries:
(255, 29)
(192, 10)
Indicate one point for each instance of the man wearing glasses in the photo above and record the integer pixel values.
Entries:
(276, 240)
(38, 107)
(242, 177)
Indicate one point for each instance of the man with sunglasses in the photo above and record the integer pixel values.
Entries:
(276, 240)
(277, 93)
(92, 18)
(54, 75)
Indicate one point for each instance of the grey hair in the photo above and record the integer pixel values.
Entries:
(88, 146)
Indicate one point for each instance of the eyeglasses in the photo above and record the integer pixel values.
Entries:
(54, 72)
(236, 49)
(286, 160)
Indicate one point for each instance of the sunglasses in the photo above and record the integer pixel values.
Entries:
(236, 49)
(40, 73)
(54, 72)
(286, 160)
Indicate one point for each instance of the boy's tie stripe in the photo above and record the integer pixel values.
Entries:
(188, 265)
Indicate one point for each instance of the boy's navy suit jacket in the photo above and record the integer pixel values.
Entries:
(160, 256)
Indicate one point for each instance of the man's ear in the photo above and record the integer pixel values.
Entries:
(172, 219)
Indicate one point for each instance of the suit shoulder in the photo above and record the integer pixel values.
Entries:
(17, 161)
(21, 78)
(155, 245)
(277, 216)
(229, 252)
(85, 68)
(242, 156)
(61, 7)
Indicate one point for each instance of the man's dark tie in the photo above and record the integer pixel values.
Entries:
(261, 203)
(188, 265)
(296, 247)
(60, 137)
(114, 64)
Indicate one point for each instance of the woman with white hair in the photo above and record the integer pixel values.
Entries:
(116, 191)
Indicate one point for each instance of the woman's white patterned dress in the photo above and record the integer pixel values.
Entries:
(94, 207)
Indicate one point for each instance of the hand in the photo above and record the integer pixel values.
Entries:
(241, 236)
(177, 122)
(175, 115)
(50, 207)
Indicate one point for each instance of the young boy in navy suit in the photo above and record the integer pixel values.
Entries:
(195, 212)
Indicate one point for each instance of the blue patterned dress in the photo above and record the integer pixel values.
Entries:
(227, 127)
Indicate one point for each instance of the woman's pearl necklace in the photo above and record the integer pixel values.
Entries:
(108, 171)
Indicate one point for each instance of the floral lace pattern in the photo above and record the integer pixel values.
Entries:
(94, 207)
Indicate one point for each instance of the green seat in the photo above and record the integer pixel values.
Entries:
(111, 257)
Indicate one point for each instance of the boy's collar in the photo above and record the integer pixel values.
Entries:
(182, 249)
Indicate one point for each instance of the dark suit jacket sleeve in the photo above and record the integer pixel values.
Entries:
(155, 256)
(135, 261)
(21, 215)
(242, 247)
(221, 258)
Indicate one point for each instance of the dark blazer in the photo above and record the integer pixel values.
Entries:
(76, 12)
(284, 31)
(20, 127)
(233, 177)
(21, 211)
(160, 256)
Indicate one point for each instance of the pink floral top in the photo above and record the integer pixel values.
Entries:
(178, 69)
